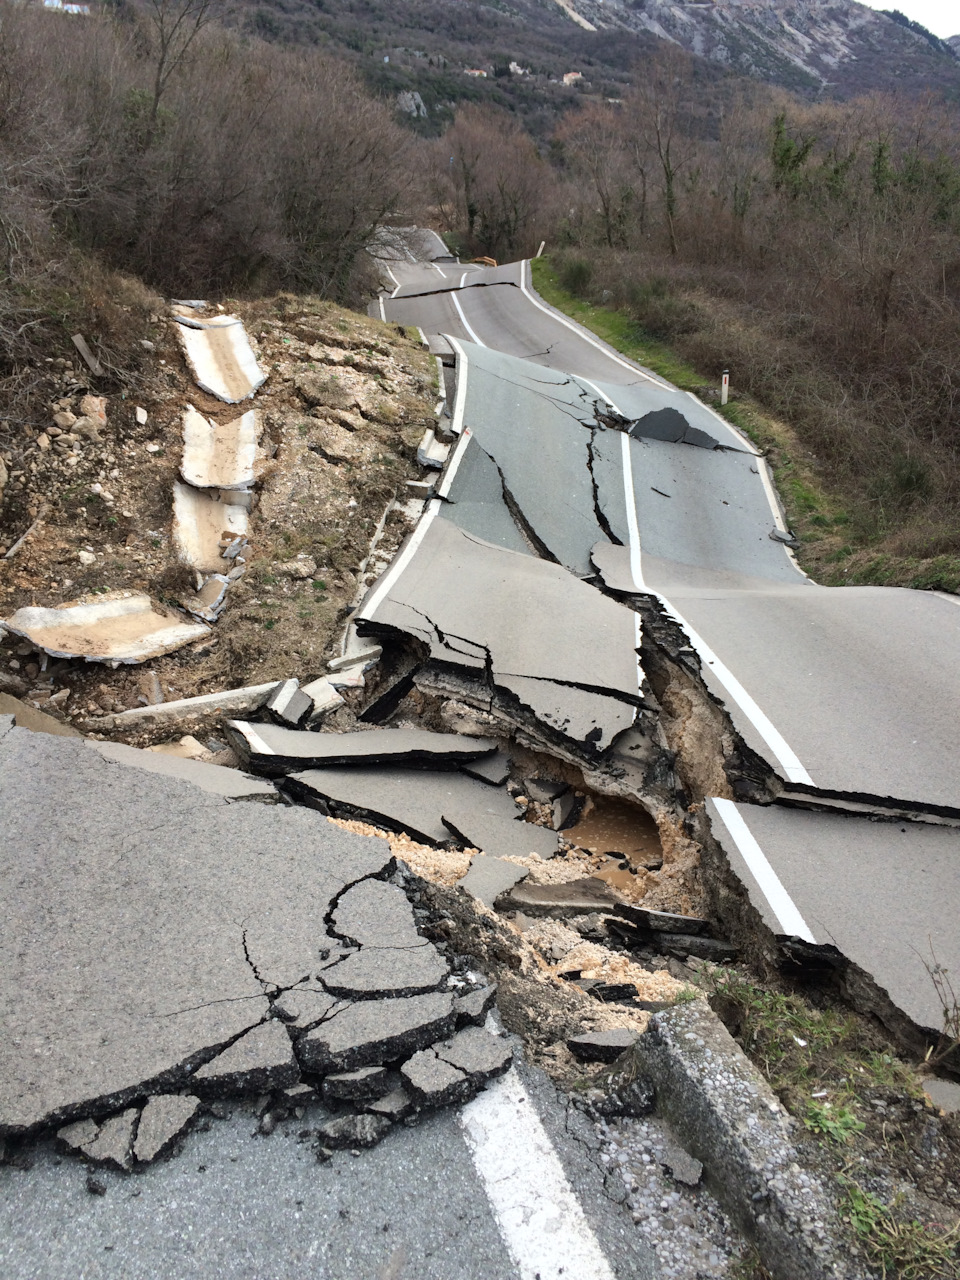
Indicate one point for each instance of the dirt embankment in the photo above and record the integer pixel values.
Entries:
(345, 403)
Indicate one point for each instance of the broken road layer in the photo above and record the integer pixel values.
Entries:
(202, 524)
(276, 750)
(124, 627)
(416, 800)
(873, 900)
(154, 927)
(513, 631)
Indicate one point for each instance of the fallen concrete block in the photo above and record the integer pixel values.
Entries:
(119, 628)
(488, 878)
(354, 1131)
(231, 784)
(323, 696)
(201, 526)
(74, 1137)
(219, 456)
(230, 701)
(207, 602)
(162, 1121)
(276, 750)
(219, 355)
(360, 651)
(681, 1166)
(288, 704)
(602, 1046)
(371, 1032)
(261, 1059)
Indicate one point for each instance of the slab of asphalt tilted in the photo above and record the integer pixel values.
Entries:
(151, 927)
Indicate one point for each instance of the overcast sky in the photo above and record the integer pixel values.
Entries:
(942, 17)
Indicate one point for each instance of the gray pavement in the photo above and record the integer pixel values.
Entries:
(883, 893)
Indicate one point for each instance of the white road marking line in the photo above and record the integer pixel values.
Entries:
(602, 394)
(787, 757)
(537, 1211)
(430, 513)
(582, 333)
(462, 278)
(386, 266)
(466, 322)
(251, 735)
(460, 394)
(782, 905)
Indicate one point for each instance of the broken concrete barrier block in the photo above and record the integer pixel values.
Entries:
(472, 1009)
(372, 1032)
(602, 1046)
(201, 525)
(364, 1085)
(354, 1131)
(119, 628)
(277, 750)
(260, 1060)
(433, 1082)
(162, 1121)
(488, 878)
(431, 452)
(387, 971)
(323, 696)
(113, 1144)
(289, 704)
(359, 651)
(207, 602)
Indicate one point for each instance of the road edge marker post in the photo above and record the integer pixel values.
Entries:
(725, 386)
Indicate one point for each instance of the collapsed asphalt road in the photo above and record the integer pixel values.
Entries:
(837, 700)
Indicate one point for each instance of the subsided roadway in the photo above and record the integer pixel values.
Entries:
(849, 696)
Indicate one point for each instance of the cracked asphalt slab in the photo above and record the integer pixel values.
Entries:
(242, 1205)
(151, 926)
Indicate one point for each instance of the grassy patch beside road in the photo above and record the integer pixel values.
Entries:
(836, 546)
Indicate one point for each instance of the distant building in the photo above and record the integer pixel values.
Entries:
(572, 77)
(476, 72)
(61, 7)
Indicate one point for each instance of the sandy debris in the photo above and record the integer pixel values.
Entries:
(440, 866)
(564, 868)
(592, 960)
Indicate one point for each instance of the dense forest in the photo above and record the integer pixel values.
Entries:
(812, 247)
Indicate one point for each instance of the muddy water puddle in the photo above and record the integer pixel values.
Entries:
(626, 834)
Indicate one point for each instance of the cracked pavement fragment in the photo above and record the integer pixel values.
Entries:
(544, 639)
(128, 902)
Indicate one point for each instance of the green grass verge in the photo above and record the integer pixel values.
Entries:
(834, 548)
